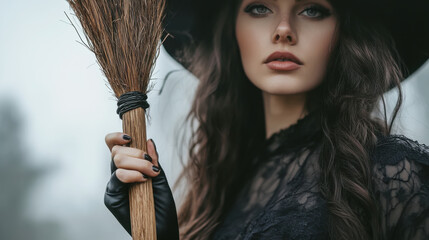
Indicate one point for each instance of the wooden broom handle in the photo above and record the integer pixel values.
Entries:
(142, 208)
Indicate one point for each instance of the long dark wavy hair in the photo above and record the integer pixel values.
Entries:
(230, 128)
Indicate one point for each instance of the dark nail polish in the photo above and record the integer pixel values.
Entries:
(126, 137)
(155, 168)
(147, 157)
(144, 176)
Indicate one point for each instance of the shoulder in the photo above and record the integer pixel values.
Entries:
(392, 149)
(401, 162)
(401, 185)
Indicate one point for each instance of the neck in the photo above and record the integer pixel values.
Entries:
(281, 111)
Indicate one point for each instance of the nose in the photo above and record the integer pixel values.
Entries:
(285, 33)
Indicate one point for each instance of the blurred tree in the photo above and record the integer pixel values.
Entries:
(17, 178)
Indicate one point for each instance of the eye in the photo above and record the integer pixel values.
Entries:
(316, 11)
(257, 9)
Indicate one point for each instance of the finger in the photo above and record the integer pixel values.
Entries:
(115, 186)
(116, 138)
(129, 176)
(151, 149)
(136, 164)
(112, 166)
(128, 151)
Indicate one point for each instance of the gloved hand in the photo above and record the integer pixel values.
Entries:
(130, 165)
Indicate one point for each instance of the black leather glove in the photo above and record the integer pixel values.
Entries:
(116, 200)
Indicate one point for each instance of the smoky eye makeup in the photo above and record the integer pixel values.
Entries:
(316, 11)
(313, 11)
(257, 9)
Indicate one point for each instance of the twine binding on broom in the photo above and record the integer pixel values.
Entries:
(131, 100)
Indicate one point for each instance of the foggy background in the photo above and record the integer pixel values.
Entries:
(55, 110)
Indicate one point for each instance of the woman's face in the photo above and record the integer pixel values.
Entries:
(304, 28)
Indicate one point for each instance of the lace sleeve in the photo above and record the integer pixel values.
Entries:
(401, 181)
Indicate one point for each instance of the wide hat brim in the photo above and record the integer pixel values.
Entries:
(190, 21)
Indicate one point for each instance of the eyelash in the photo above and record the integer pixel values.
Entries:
(251, 7)
(324, 12)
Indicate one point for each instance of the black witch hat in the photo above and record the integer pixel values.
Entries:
(190, 21)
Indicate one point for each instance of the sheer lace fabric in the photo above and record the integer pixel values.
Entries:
(401, 178)
(283, 201)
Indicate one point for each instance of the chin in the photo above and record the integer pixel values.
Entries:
(284, 86)
(283, 91)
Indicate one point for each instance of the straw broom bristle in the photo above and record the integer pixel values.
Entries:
(124, 35)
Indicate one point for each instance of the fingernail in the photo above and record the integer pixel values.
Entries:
(155, 168)
(147, 157)
(144, 176)
(126, 137)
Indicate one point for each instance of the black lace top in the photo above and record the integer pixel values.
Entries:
(282, 200)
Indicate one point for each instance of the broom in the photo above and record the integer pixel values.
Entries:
(124, 35)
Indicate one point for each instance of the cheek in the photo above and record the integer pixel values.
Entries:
(321, 41)
(250, 40)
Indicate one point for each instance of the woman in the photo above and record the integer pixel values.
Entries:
(287, 146)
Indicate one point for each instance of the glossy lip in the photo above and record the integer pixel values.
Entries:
(292, 62)
(283, 66)
(288, 55)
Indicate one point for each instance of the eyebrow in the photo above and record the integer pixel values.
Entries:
(295, 0)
